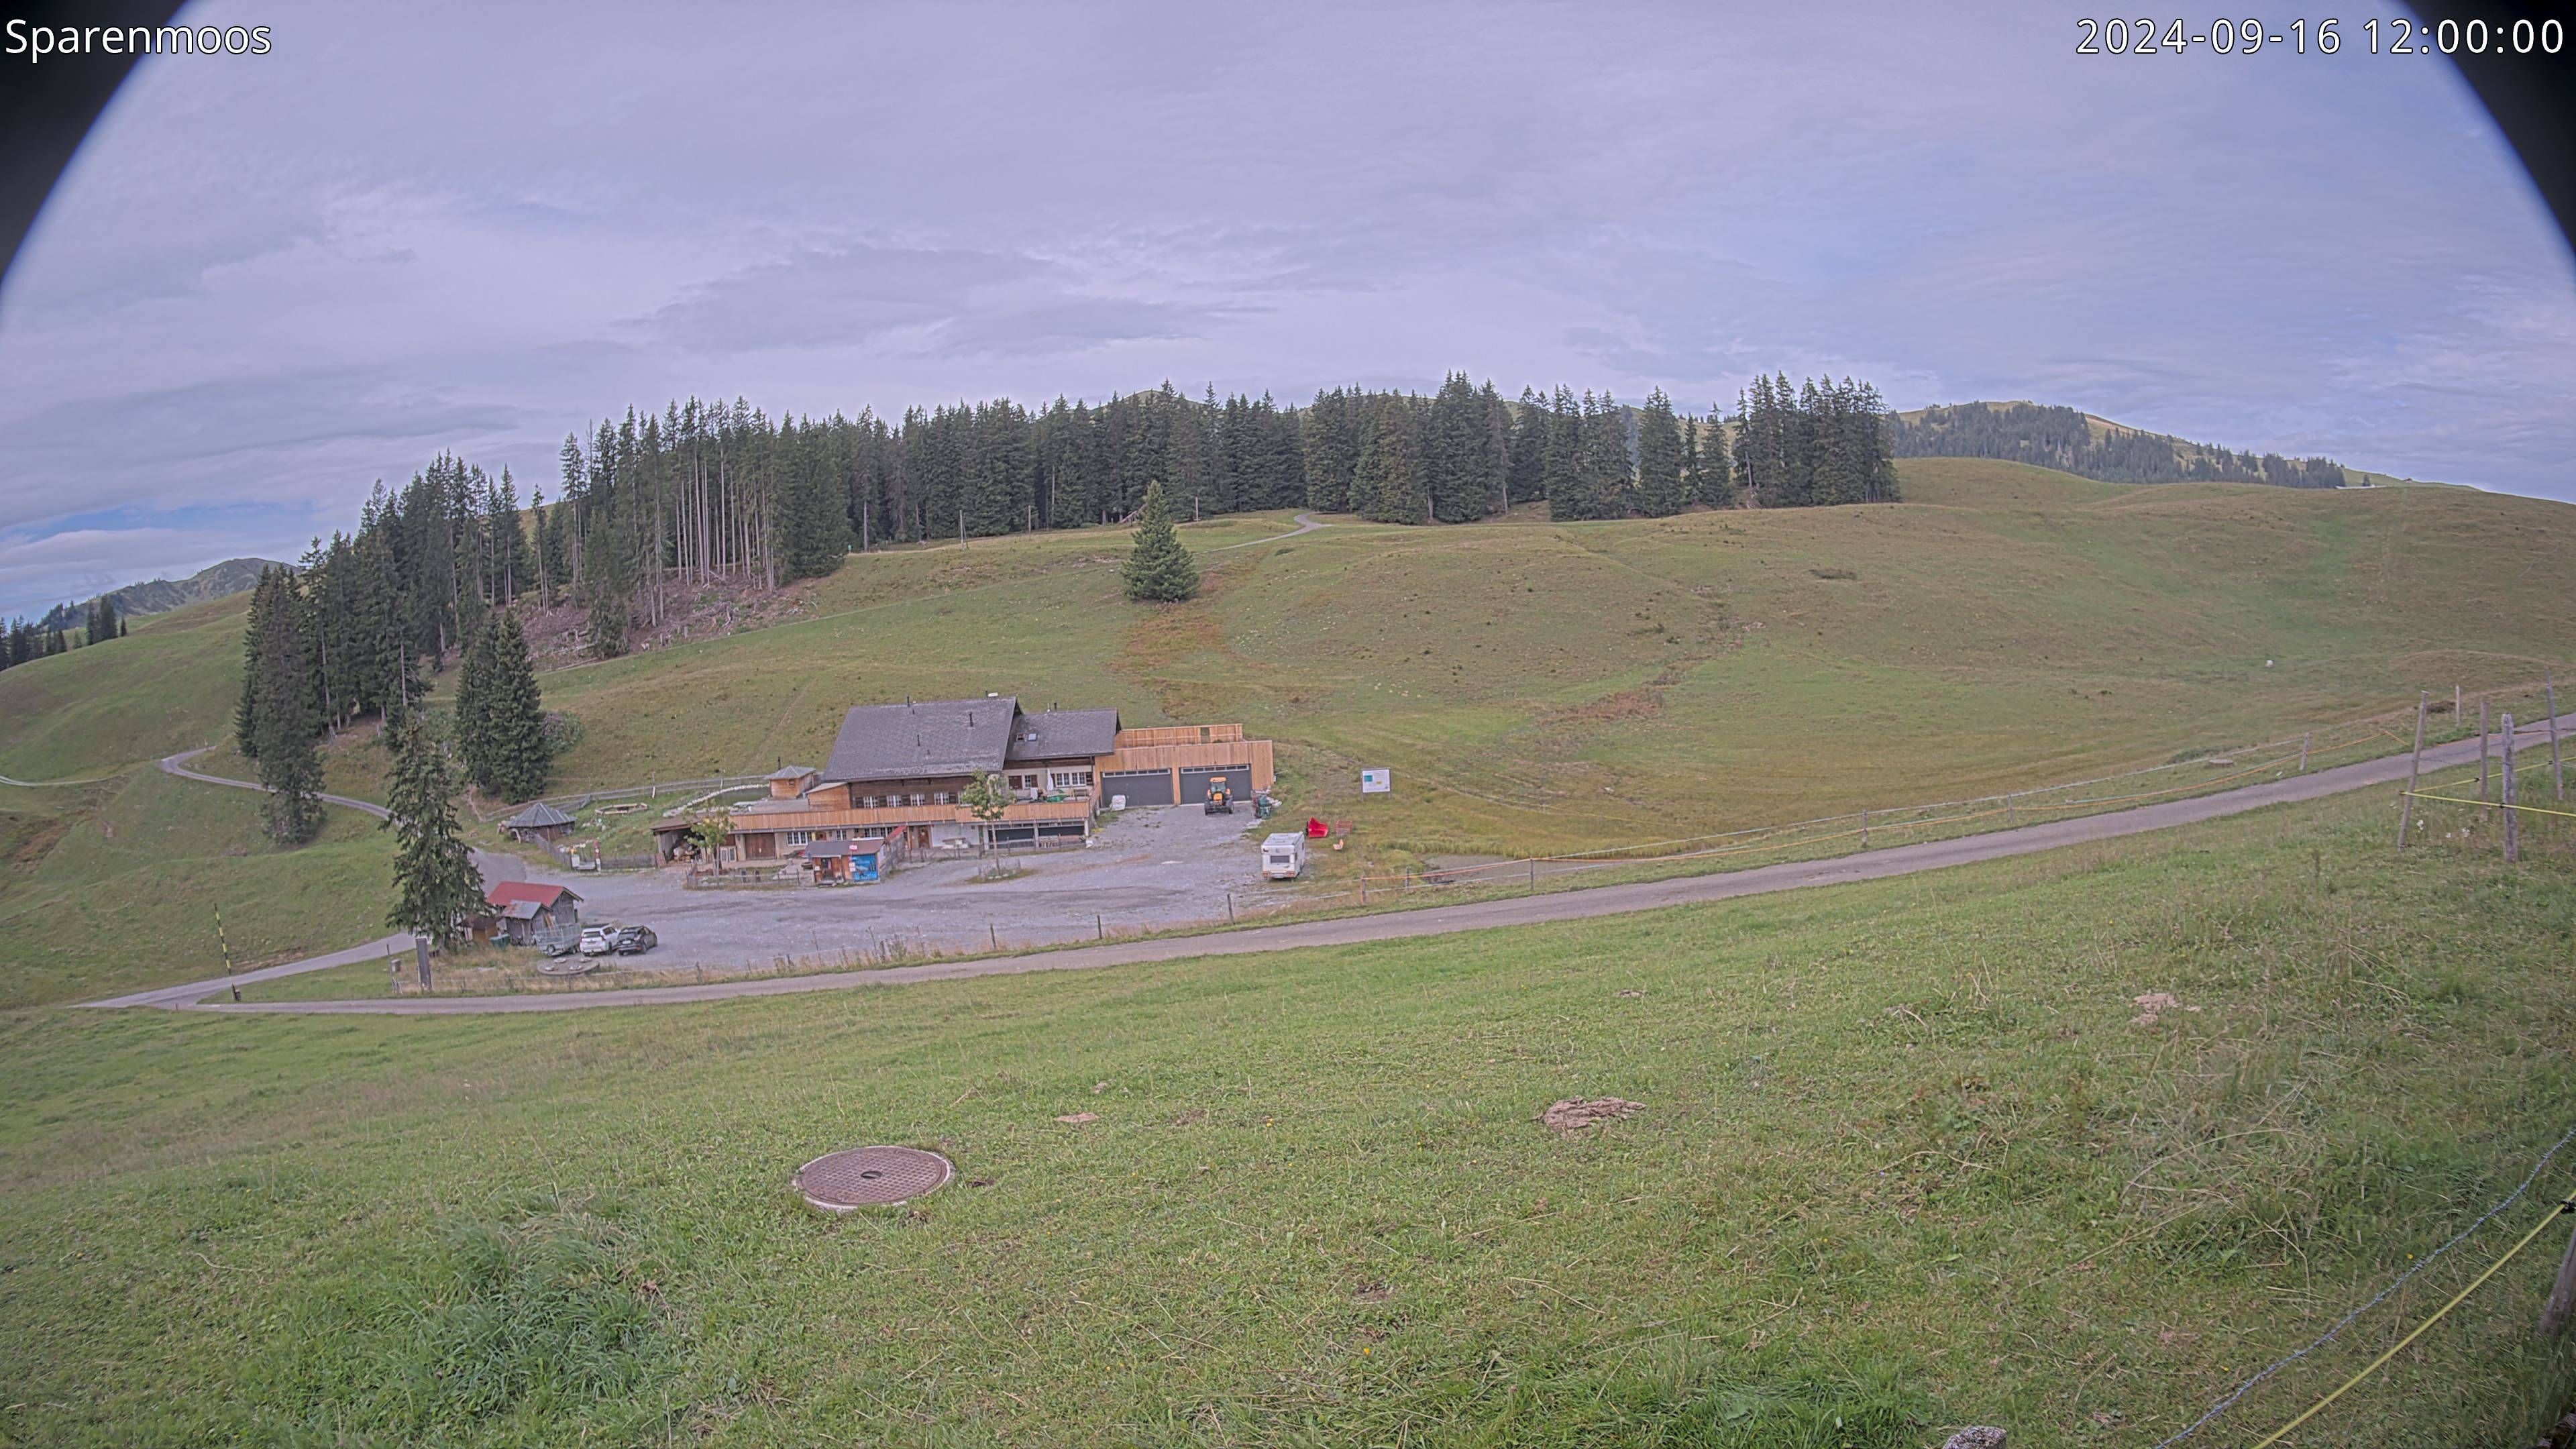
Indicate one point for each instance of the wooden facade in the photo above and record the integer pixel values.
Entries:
(1058, 796)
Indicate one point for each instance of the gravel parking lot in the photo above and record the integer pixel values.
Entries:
(1149, 867)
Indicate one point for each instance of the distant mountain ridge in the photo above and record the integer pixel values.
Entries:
(160, 596)
(2091, 447)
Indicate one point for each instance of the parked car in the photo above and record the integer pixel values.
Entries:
(633, 940)
(596, 940)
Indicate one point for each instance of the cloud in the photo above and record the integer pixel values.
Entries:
(276, 283)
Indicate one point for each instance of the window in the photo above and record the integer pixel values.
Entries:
(1069, 780)
(796, 837)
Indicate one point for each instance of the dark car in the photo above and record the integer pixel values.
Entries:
(632, 940)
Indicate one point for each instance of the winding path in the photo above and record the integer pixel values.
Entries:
(1354, 930)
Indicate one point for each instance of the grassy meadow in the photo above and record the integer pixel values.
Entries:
(1540, 686)
(1905, 1161)
(1536, 687)
(125, 892)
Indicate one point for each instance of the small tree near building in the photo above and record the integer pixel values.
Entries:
(435, 883)
(1160, 571)
(987, 799)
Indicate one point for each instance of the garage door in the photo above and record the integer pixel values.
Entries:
(1194, 783)
(1141, 787)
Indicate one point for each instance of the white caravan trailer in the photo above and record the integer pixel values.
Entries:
(1283, 856)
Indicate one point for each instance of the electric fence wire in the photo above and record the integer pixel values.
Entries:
(2322, 1339)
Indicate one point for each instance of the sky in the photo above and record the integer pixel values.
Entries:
(267, 282)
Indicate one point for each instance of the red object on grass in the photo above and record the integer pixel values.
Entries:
(1315, 829)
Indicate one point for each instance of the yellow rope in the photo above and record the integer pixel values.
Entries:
(2488, 804)
(2457, 1299)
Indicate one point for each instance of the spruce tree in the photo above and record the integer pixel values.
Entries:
(284, 726)
(1389, 485)
(514, 719)
(1712, 478)
(1662, 488)
(474, 746)
(1160, 570)
(435, 882)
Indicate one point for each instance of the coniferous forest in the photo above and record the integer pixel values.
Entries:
(650, 508)
(2070, 442)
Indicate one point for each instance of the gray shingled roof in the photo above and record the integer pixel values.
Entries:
(1063, 733)
(934, 737)
(537, 817)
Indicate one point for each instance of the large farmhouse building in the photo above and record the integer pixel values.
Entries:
(898, 774)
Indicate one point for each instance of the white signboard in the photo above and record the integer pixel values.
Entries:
(1376, 782)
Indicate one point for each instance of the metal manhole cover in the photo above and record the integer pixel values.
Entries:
(839, 1182)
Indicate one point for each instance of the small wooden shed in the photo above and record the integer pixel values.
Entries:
(540, 821)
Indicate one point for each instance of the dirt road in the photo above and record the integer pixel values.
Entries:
(1436, 920)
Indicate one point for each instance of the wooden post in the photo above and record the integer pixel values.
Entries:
(2557, 775)
(2406, 805)
(2303, 750)
(2482, 749)
(1099, 932)
(2562, 1296)
(2512, 817)
(2455, 704)
(993, 934)
(420, 959)
(226, 947)
(1229, 908)
(1533, 864)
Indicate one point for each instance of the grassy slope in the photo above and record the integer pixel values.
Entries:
(1551, 686)
(1905, 1159)
(127, 895)
(169, 685)
(1535, 686)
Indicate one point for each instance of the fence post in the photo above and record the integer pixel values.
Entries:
(1229, 908)
(993, 934)
(2562, 1294)
(2482, 749)
(2415, 766)
(2303, 750)
(2512, 817)
(2557, 776)
(1864, 827)
(1099, 932)
(1533, 865)
(2455, 704)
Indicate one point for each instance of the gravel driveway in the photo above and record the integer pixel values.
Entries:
(1149, 867)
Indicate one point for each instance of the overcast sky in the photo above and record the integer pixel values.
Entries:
(267, 282)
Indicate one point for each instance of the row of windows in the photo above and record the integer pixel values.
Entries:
(808, 837)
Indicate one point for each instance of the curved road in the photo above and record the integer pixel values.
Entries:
(1353, 930)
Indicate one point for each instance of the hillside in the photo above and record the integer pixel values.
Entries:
(1905, 1161)
(1549, 686)
(160, 596)
(2092, 447)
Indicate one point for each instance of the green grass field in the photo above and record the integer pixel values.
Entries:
(1905, 1162)
(125, 894)
(1536, 687)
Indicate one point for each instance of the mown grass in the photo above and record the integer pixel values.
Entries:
(124, 894)
(1906, 1161)
(1542, 687)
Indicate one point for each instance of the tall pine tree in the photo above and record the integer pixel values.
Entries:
(1662, 461)
(435, 883)
(1160, 571)
(283, 720)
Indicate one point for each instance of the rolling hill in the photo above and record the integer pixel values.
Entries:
(160, 596)
(1554, 686)
(2093, 447)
